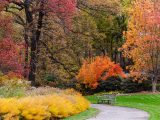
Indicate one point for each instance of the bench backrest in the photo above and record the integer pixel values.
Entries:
(107, 96)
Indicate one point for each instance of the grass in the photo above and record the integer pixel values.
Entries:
(84, 115)
(92, 98)
(147, 102)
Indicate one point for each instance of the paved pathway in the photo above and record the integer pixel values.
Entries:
(119, 113)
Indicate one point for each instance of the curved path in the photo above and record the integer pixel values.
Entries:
(119, 113)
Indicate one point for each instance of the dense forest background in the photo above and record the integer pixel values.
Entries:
(47, 42)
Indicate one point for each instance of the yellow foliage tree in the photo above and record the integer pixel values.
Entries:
(143, 40)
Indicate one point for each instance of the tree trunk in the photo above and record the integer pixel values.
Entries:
(26, 62)
(29, 22)
(33, 61)
(154, 84)
(103, 52)
(36, 33)
(111, 50)
(115, 56)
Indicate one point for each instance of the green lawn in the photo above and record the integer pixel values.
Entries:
(92, 98)
(147, 102)
(91, 112)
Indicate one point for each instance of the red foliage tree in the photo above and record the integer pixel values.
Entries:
(35, 11)
(63, 10)
(11, 56)
(99, 68)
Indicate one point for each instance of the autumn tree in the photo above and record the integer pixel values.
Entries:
(11, 51)
(110, 24)
(32, 18)
(49, 34)
(99, 68)
(11, 55)
(143, 40)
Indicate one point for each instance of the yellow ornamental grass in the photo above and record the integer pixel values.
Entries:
(42, 107)
(9, 109)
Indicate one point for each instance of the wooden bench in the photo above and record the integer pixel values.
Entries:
(106, 99)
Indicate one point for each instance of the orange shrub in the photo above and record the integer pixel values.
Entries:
(99, 68)
(14, 75)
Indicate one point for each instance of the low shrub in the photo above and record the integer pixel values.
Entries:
(116, 84)
(20, 101)
(158, 87)
(12, 91)
(33, 91)
(43, 107)
(111, 84)
(130, 86)
(12, 86)
(12, 78)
